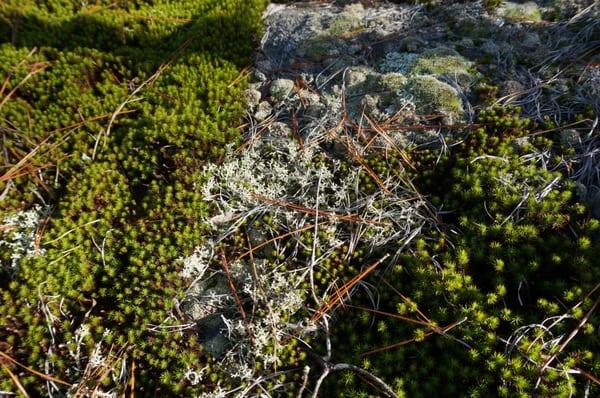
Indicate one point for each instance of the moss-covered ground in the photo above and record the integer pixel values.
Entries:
(109, 113)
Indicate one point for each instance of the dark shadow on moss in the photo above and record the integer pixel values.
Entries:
(139, 39)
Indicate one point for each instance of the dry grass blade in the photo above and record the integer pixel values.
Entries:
(10, 174)
(35, 68)
(232, 286)
(22, 167)
(572, 335)
(132, 394)
(17, 382)
(354, 153)
(589, 376)
(308, 210)
(242, 75)
(395, 345)
(405, 342)
(32, 371)
(97, 374)
(392, 315)
(391, 142)
(279, 237)
(339, 294)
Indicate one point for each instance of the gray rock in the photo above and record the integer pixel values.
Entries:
(309, 98)
(263, 111)
(531, 40)
(490, 47)
(411, 44)
(281, 89)
(252, 97)
(570, 138)
(316, 111)
(280, 130)
(287, 29)
(511, 87)
(258, 76)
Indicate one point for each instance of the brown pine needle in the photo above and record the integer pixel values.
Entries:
(15, 380)
(395, 345)
(392, 315)
(232, 286)
(35, 68)
(132, 394)
(414, 339)
(338, 295)
(391, 142)
(574, 333)
(311, 211)
(35, 372)
(279, 237)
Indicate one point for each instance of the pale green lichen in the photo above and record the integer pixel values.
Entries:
(433, 96)
(444, 62)
(320, 48)
(348, 21)
(522, 12)
(440, 65)
(398, 62)
(391, 84)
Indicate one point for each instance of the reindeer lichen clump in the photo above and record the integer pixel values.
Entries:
(292, 224)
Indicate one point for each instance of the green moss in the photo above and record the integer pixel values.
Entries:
(125, 203)
(503, 260)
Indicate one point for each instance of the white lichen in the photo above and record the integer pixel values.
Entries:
(20, 235)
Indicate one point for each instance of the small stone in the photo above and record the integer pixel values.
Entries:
(252, 97)
(308, 97)
(264, 65)
(355, 49)
(433, 96)
(281, 88)
(570, 138)
(411, 44)
(263, 111)
(280, 130)
(356, 75)
(315, 111)
(511, 87)
(531, 40)
(258, 76)
(490, 48)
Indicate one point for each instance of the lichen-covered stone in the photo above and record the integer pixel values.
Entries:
(570, 138)
(411, 44)
(252, 97)
(263, 111)
(281, 88)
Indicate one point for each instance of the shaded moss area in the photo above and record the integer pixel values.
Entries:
(108, 113)
(475, 307)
